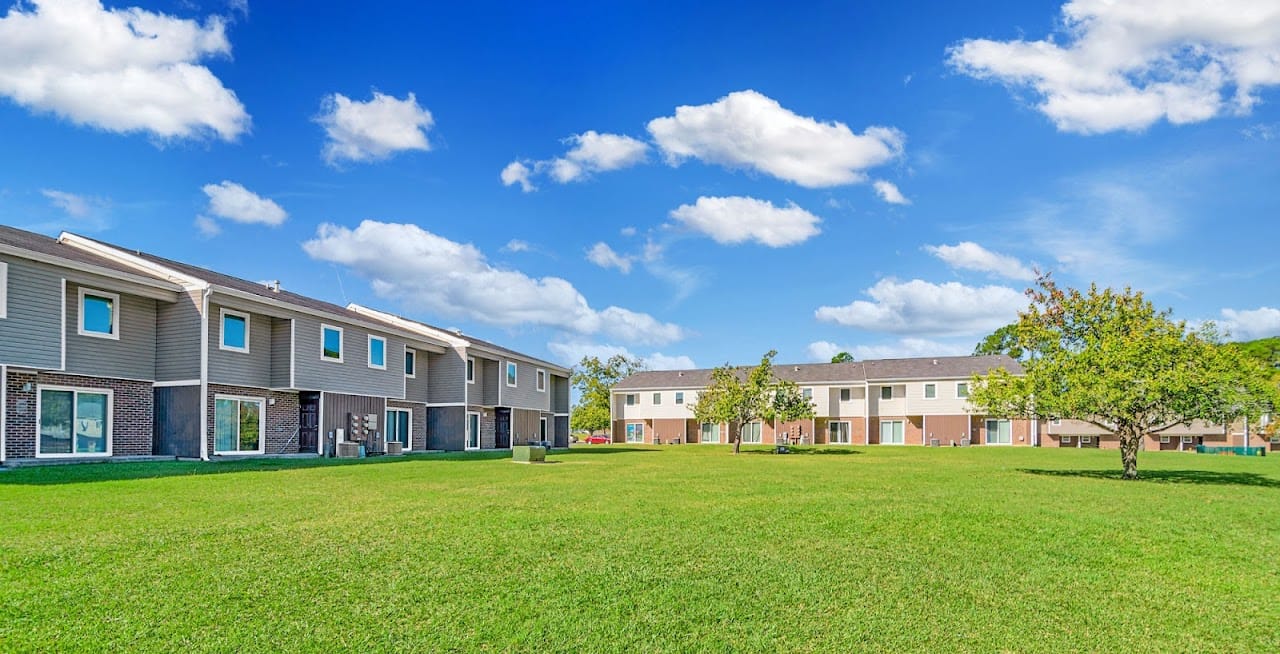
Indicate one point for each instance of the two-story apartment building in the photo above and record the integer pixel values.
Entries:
(114, 353)
(921, 401)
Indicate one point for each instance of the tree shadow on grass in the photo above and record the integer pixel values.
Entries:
(601, 449)
(1194, 477)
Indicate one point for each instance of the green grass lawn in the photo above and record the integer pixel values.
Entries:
(641, 550)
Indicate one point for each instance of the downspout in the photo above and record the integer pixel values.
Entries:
(866, 413)
(466, 404)
(204, 371)
(4, 408)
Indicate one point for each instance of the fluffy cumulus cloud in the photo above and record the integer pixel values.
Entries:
(571, 352)
(231, 201)
(1126, 65)
(76, 206)
(427, 272)
(516, 245)
(604, 256)
(822, 351)
(968, 255)
(372, 130)
(888, 191)
(923, 308)
(1248, 324)
(751, 131)
(590, 152)
(121, 70)
(733, 220)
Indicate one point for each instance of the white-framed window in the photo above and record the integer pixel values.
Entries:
(709, 432)
(999, 432)
(400, 427)
(473, 431)
(962, 390)
(751, 433)
(657, 399)
(839, 433)
(99, 314)
(512, 369)
(886, 392)
(377, 352)
(1275, 440)
(892, 432)
(846, 394)
(806, 393)
(4, 290)
(1086, 439)
(1164, 438)
(1187, 440)
(239, 424)
(631, 399)
(1066, 439)
(635, 432)
(679, 397)
(235, 331)
(930, 391)
(73, 421)
(410, 363)
(541, 376)
(331, 343)
(471, 370)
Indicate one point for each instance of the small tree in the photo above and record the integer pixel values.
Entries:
(739, 396)
(594, 379)
(1110, 359)
(842, 357)
(789, 403)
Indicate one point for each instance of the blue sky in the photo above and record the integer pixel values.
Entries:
(693, 183)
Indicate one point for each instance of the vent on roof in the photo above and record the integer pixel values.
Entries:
(935, 362)
(457, 332)
(797, 368)
(273, 286)
(680, 374)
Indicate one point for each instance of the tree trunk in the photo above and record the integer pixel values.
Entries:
(737, 442)
(1129, 440)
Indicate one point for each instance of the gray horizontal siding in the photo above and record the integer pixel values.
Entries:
(281, 347)
(353, 375)
(132, 356)
(31, 335)
(252, 368)
(178, 338)
(447, 382)
(417, 388)
(487, 380)
(559, 394)
(525, 394)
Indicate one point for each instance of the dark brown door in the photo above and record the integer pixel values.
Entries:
(308, 421)
(502, 427)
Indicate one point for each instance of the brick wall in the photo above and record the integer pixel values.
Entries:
(130, 421)
(281, 433)
(488, 430)
(417, 419)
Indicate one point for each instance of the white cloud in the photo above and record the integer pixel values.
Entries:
(889, 192)
(571, 352)
(427, 272)
(628, 231)
(590, 152)
(516, 245)
(920, 307)
(749, 130)
(518, 173)
(822, 351)
(1127, 65)
(120, 70)
(373, 130)
(1262, 131)
(604, 256)
(236, 203)
(75, 205)
(735, 220)
(207, 226)
(1248, 324)
(968, 255)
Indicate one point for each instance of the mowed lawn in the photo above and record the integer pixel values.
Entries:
(683, 548)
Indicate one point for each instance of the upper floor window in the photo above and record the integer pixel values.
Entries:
(410, 363)
(99, 314)
(679, 397)
(657, 398)
(4, 290)
(235, 331)
(807, 393)
(962, 390)
(377, 352)
(331, 343)
(886, 392)
(632, 399)
(471, 371)
(930, 391)
(511, 373)
(542, 380)
(845, 394)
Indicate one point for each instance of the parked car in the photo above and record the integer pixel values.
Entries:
(598, 439)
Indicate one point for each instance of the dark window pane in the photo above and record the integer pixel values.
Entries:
(250, 413)
(55, 422)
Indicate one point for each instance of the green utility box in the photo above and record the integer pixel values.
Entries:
(529, 454)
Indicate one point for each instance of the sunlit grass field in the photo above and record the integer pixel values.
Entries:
(634, 549)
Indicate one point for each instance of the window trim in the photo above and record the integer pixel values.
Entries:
(262, 424)
(924, 392)
(410, 353)
(891, 422)
(987, 426)
(1086, 439)
(513, 370)
(342, 350)
(115, 313)
(75, 394)
(806, 393)
(1164, 438)
(965, 384)
(679, 397)
(848, 432)
(541, 376)
(466, 444)
(1188, 440)
(369, 352)
(715, 427)
(4, 290)
(657, 398)
(756, 426)
(469, 370)
(846, 395)
(884, 388)
(222, 330)
(633, 429)
(408, 446)
(627, 401)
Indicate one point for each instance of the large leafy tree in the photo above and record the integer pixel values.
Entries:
(1111, 359)
(842, 357)
(738, 396)
(594, 380)
(1002, 341)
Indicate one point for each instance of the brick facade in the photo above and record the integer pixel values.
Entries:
(280, 435)
(130, 423)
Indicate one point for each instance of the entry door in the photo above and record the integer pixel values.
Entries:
(308, 421)
(542, 429)
(502, 428)
(473, 431)
(710, 433)
(891, 432)
(999, 432)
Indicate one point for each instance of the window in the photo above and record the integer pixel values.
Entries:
(751, 433)
(839, 432)
(930, 391)
(962, 390)
(635, 433)
(377, 352)
(999, 432)
(237, 424)
(73, 422)
(807, 393)
(846, 394)
(710, 433)
(1066, 439)
(98, 314)
(410, 363)
(1164, 438)
(886, 392)
(471, 371)
(4, 290)
(1056, 422)
(473, 431)
(679, 397)
(1188, 439)
(235, 331)
(331, 343)
(398, 429)
(511, 373)
(1086, 439)
(891, 432)
(541, 376)
(1275, 440)
(632, 399)
(657, 399)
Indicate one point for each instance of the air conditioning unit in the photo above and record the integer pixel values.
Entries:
(395, 447)
(935, 442)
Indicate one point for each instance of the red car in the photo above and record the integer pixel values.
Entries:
(598, 439)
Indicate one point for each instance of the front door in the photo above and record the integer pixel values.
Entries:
(542, 429)
(502, 427)
(308, 421)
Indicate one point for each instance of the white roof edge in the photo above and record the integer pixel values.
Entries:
(71, 264)
(121, 256)
(411, 325)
